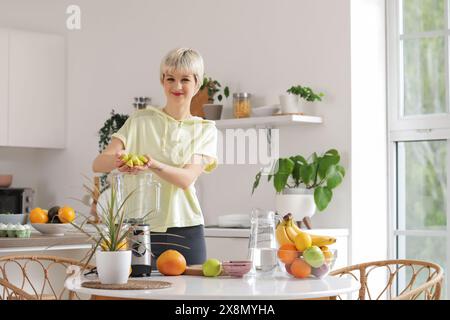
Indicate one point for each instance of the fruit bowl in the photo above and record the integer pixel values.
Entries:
(236, 268)
(314, 262)
(54, 229)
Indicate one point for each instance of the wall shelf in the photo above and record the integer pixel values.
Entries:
(267, 122)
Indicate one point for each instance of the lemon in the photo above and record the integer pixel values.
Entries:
(303, 241)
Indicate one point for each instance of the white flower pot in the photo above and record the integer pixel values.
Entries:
(113, 267)
(299, 202)
(289, 103)
(307, 107)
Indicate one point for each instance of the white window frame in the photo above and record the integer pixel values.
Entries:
(411, 128)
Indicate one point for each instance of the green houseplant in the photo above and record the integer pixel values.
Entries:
(320, 174)
(298, 99)
(305, 93)
(213, 87)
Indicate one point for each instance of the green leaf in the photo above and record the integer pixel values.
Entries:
(219, 97)
(334, 177)
(279, 181)
(333, 153)
(284, 170)
(296, 170)
(322, 197)
(226, 92)
(256, 182)
(307, 173)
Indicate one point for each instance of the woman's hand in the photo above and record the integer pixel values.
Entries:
(119, 164)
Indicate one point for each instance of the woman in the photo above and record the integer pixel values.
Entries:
(179, 146)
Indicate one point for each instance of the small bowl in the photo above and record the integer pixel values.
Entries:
(236, 268)
(305, 268)
(5, 180)
(54, 229)
(265, 111)
(14, 218)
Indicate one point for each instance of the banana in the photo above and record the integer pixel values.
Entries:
(320, 241)
(281, 235)
(290, 231)
(295, 227)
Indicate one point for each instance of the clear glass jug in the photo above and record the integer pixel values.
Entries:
(143, 194)
(262, 249)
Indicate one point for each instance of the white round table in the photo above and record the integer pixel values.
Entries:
(275, 287)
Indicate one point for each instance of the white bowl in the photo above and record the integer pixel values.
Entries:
(265, 111)
(54, 229)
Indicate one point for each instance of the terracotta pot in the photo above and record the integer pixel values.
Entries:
(5, 180)
(198, 101)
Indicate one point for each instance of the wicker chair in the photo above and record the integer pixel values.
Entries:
(36, 277)
(406, 279)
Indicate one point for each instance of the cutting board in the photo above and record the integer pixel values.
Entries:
(194, 270)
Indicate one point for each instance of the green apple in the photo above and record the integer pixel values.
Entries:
(212, 268)
(314, 256)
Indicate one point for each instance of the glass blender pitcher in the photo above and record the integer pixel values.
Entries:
(262, 250)
(142, 192)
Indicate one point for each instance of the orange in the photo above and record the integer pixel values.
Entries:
(300, 269)
(37, 215)
(287, 253)
(171, 263)
(66, 214)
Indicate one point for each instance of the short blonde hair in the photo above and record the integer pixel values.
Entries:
(184, 59)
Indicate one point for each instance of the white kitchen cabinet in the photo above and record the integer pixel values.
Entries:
(3, 87)
(36, 87)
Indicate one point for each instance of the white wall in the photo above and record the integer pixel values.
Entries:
(262, 47)
(369, 141)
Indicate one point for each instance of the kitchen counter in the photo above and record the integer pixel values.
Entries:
(40, 242)
(215, 231)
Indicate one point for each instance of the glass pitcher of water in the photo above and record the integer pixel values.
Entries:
(262, 249)
(143, 194)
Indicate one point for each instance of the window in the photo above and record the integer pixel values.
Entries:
(419, 130)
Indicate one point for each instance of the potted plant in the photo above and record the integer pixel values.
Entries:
(292, 101)
(203, 102)
(302, 185)
(109, 240)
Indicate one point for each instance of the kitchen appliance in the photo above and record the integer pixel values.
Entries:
(142, 194)
(141, 258)
(16, 200)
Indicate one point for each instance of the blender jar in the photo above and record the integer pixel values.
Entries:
(141, 193)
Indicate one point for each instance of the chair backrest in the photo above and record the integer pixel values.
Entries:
(36, 277)
(405, 279)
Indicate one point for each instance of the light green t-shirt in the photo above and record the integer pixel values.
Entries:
(173, 142)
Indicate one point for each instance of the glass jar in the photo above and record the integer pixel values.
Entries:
(241, 105)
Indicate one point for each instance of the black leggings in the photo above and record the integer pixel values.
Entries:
(192, 237)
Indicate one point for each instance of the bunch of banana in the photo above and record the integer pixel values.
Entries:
(287, 230)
